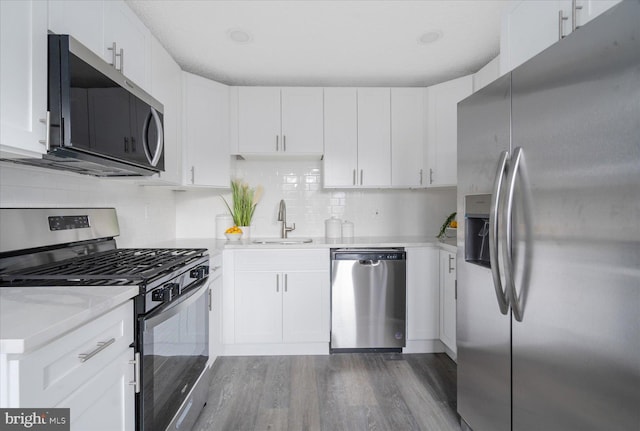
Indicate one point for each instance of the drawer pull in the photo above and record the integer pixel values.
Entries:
(101, 346)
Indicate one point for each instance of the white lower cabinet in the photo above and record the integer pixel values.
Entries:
(279, 298)
(281, 307)
(448, 298)
(90, 370)
(423, 294)
(215, 308)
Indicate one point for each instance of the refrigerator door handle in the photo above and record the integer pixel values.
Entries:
(517, 301)
(493, 232)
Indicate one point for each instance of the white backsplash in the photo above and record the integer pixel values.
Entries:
(146, 214)
(299, 183)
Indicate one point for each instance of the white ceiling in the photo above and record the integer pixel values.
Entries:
(326, 43)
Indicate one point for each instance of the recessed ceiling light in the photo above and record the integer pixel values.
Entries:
(238, 35)
(430, 37)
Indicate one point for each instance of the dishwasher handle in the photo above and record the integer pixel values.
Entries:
(369, 262)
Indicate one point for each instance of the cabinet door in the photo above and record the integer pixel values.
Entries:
(124, 28)
(305, 310)
(258, 307)
(529, 27)
(408, 136)
(259, 120)
(206, 132)
(215, 307)
(443, 129)
(166, 87)
(302, 121)
(448, 299)
(340, 137)
(423, 293)
(23, 77)
(84, 20)
(374, 137)
(591, 9)
(107, 401)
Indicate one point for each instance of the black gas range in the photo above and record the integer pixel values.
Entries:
(76, 247)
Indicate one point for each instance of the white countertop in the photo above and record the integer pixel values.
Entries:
(216, 246)
(33, 316)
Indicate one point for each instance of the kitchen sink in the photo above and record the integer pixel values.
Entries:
(292, 241)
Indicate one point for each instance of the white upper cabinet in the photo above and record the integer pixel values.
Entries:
(205, 132)
(302, 120)
(131, 40)
(485, 76)
(279, 121)
(259, 120)
(442, 133)
(99, 25)
(357, 125)
(528, 26)
(23, 78)
(374, 137)
(84, 20)
(166, 79)
(340, 137)
(408, 137)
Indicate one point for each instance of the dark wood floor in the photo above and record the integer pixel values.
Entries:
(363, 391)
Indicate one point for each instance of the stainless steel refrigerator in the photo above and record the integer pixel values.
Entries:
(548, 310)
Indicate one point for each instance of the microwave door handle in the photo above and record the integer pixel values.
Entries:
(494, 231)
(145, 141)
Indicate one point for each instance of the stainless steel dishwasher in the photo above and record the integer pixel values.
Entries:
(368, 299)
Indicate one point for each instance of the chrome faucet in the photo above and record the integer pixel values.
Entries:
(282, 217)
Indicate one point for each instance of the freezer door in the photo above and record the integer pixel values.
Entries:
(576, 115)
(483, 332)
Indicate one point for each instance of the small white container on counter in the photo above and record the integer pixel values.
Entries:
(333, 228)
(223, 222)
(347, 230)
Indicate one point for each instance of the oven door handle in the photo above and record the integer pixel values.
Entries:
(174, 307)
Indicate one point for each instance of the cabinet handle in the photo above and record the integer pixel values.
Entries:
(420, 176)
(574, 15)
(136, 372)
(101, 346)
(450, 267)
(286, 282)
(47, 134)
(455, 292)
(430, 176)
(284, 142)
(121, 61)
(561, 20)
(277, 283)
(361, 176)
(210, 301)
(277, 143)
(115, 55)
(354, 177)
(193, 174)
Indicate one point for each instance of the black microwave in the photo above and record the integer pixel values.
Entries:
(100, 123)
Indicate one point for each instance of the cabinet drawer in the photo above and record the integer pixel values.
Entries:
(282, 260)
(50, 374)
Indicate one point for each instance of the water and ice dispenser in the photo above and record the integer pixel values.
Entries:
(476, 232)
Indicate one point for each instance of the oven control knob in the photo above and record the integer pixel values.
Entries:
(199, 272)
(160, 295)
